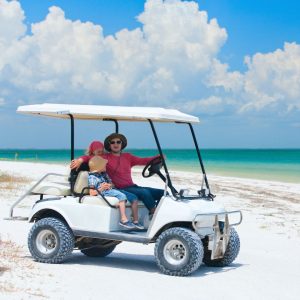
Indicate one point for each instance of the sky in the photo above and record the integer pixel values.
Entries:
(234, 64)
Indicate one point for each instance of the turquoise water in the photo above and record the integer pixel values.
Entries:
(268, 164)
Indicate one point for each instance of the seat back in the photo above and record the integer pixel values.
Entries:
(74, 173)
(81, 183)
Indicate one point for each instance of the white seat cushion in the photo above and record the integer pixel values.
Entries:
(53, 188)
(98, 200)
(81, 182)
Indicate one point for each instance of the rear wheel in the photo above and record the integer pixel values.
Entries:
(178, 251)
(50, 241)
(230, 255)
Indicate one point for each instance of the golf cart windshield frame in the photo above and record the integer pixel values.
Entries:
(173, 190)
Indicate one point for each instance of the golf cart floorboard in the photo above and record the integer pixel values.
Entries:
(138, 236)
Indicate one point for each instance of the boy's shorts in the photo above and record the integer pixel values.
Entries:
(120, 195)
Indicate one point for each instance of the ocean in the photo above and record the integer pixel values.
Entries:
(267, 164)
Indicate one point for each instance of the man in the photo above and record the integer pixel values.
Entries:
(119, 169)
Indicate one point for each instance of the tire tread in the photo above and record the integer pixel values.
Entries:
(66, 240)
(196, 252)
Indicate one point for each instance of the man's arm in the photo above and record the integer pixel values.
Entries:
(76, 163)
(140, 161)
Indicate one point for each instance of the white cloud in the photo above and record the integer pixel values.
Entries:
(211, 106)
(11, 21)
(169, 61)
(219, 76)
(64, 60)
(180, 35)
(273, 78)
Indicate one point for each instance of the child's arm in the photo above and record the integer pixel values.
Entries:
(93, 183)
(105, 186)
(93, 192)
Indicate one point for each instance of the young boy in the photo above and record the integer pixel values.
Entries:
(99, 179)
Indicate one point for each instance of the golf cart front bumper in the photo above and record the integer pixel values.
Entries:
(216, 227)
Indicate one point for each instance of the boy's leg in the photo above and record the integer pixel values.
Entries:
(122, 209)
(134, 204)
(124, 222)
(122, 202)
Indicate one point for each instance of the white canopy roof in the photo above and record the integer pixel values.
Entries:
(99, 112)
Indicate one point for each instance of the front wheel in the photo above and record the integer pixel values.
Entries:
(230, 255)
(50, 241)
(178, 251)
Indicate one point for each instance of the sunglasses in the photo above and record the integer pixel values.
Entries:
(115, 142)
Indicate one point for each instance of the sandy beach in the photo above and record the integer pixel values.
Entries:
(268, 266)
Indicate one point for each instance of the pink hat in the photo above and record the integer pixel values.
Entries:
(95, 145)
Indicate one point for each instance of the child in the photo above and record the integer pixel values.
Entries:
(95, 148)
(99, 179)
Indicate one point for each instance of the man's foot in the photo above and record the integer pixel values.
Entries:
(138, 225)
(127, 224)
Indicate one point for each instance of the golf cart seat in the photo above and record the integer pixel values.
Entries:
(53, 189)
(80, 187)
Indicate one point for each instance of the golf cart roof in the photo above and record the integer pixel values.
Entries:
(100, 112)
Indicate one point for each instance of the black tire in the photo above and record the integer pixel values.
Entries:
(98, 251)
(50, 241)
(178, 251)
(230, 255)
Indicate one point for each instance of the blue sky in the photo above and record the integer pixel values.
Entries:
(235, 64)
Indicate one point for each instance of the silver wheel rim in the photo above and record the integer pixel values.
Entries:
(175, 252)
(46, 242)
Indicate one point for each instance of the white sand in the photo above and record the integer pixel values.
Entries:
(268, 266)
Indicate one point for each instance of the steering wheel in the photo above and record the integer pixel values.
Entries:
(153, 167)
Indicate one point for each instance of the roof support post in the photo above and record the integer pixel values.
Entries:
(72, 136)
(198, 153)
(173, 190)
(116, 124)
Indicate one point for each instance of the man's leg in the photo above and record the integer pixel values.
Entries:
(144, 195)
(134, 207)
(156, 193)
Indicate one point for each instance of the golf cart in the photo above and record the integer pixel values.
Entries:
(187, 229)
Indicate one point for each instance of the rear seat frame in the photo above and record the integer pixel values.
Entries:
(29, 192)
(82, 194)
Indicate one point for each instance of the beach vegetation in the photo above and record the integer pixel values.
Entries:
(13, 264)
(9, 182)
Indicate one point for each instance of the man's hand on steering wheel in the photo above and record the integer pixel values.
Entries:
(152, 167)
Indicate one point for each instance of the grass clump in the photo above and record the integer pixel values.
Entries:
(9, 182)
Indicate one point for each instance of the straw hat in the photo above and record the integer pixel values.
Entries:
(97, 163)
(115, 136)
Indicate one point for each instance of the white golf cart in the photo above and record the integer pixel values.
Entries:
(187, 229)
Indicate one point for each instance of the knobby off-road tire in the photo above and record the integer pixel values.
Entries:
(230, 255)
(50, 241)
(98, 251)
(178, 251)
